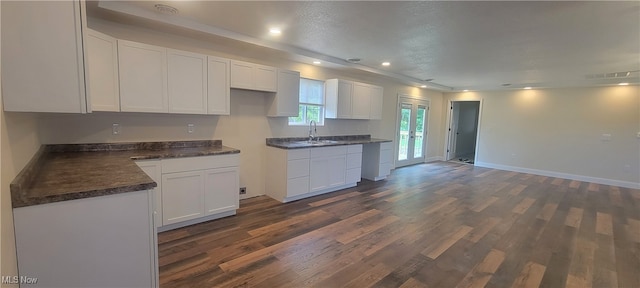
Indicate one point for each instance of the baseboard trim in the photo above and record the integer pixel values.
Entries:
(604, 181)
(434, 159)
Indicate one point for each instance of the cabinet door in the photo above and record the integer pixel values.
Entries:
(102, 71)
(187, 82)
(218, 86)
(361, 103)
(345, 94)
(337, 170)
(376, 103)
(327, 172)
(182, 196)
(153, 168)
(285, 101)
(221, 190)
(265, 78)
(242, 75)
(143, 77)
(42, 57)
(318, 174)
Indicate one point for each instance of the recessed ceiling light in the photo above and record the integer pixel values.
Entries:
(623, 84)
(527, 88)
(317, 62)
(423, 86)
(166, 9)
(275, 31)
(465, 90)
(386, 63)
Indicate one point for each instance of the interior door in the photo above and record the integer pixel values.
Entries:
(453, 130)
(412, 131)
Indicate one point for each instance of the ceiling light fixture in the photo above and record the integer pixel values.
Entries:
(465, 90)
(317, 62)
(423, 86)
(386, 63)
(623, 84)
(275, 31)
(527, 88)
(166, 9)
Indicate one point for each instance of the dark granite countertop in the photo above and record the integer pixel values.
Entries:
(74, 171)
(323, 141)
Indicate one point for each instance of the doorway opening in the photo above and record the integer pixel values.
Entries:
(463, 131)
(411, 127)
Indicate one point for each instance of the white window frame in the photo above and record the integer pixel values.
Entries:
(305, 104)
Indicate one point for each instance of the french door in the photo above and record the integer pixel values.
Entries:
(413, 115)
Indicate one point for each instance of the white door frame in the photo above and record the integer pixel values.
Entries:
(397, 127)
(448, 124)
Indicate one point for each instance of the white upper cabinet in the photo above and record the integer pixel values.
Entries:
(101, 53)
(187, 82)
(266, 78)
(376, 102)
(338, 97)
(250, 76)
(361, 101)
(285, 101)
(42, 57)
(143, 77)
(352, 100)
(218, 86)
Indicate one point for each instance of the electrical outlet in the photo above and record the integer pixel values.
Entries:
(115, 129)
(243, 190)
(191, 128)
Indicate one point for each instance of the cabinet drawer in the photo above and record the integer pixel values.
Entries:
(297, 168)
(297, 186)
(328, 151)
(199, 163)
(354, 149)
(354, 160)
(386, 146)
(353, 175)
(297, 154)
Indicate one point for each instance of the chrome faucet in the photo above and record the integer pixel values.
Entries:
(314, 132)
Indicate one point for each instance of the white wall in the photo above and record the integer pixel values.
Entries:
(559, 132)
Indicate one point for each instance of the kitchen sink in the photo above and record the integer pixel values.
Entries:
(316, 142)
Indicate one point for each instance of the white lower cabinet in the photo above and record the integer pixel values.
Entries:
(104, 241)
(221, 191)
(354, 163)
(376, 163)
(294, 174)
(193, 189)
(182, 196)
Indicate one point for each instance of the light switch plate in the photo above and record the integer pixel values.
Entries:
(606, 137)
(190, 128)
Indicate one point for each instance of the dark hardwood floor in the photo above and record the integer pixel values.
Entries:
(431, 225)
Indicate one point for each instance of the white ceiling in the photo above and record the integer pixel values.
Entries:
(460, 45)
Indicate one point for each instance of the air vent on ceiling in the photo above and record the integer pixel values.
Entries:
(166, 9)
(611, 75)
(354, 60)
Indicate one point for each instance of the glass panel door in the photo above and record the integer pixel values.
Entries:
(405, 127)
(412, 132)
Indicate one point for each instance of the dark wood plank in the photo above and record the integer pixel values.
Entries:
(431, 225)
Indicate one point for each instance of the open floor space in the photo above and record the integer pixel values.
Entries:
(439, 224)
